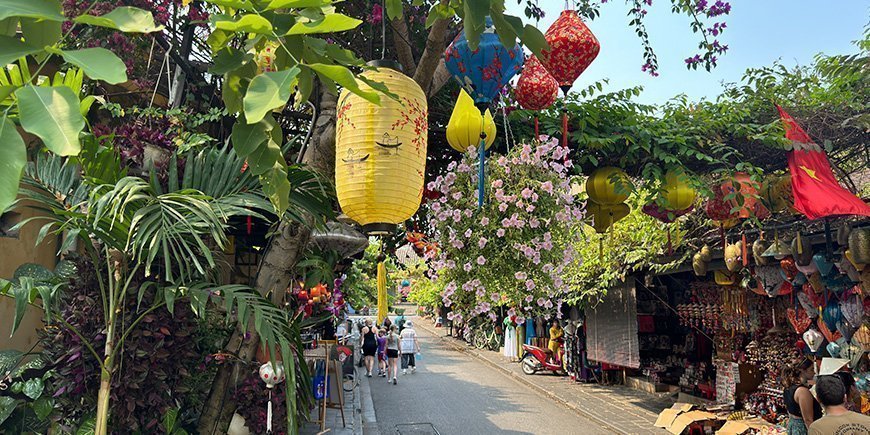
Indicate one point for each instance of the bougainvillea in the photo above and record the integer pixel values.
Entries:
(513, 251)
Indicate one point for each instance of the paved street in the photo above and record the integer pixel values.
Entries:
(458, 394)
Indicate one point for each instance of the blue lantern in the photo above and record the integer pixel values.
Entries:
(483, 73)
(831, 314)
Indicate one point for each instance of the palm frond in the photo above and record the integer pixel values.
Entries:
(310, 194)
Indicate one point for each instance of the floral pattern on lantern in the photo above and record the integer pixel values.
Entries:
(536, 89)
(573, 47)
(381, 151)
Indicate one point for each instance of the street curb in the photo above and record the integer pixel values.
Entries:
(520, 379)
(365, 420)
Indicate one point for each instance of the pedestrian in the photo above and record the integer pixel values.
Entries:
(369, 345)
(410, 346)
(400, 320)
(387, 323)
(802, 408)
(382, 352)
(394, 347)
(837, 420)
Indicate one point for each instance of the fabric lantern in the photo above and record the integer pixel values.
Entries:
(572, 48)
(608, 186)
(813, 339)
(859, 245)
(832, 314)
(381, 156)
(271, 376)
(807, 303)
(846, 329)
(678, 198)
(748, 191)
(536, 89)
(482, 72)
(825, 267)
(719, 211)
(463, 129)
(603, 216)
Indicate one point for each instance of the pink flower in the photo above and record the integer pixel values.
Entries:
(481, 260)
(527, 193)
(520, 275)
(530, 285)
(468, 233)
(467, 267)
(457, 196)
(498, 183)
(484, 221)
(502, 207)
(481, 242)
(500, 232)
(541, 302)
(529, 298)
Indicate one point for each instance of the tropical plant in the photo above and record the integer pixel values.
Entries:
(152, 249)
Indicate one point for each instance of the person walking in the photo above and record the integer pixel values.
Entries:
(382, 352)
(394, 347)
(837, 420)
(410, 346)
(369, 344)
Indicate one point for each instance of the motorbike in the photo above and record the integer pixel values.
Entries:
(537, 359)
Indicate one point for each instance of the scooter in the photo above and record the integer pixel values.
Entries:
(537, 359)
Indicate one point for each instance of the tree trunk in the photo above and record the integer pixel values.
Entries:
(276, 271)
(101, 423)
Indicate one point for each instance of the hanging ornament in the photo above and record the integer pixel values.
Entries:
(572, 48)
(859, 245)
(778, 249)
(744, 198)
(807, 304)
(801, 249)
(831, 314)
(536, 89)
(733, 257)
(799, 320)
(608, 186)
(843, 234)
(813, 339)
(678, 198)
(271, 375)
(483, 72)
(758, 248)
(719, 211)
(775, 193)
(463, 128)
(861, 337)
(825, 267)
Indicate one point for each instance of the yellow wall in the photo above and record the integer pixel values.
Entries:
(13, 253)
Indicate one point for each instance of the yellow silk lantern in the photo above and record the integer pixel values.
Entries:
(463, 129)
(602, 189)
(676, 192)
(381, 152)
(603, 216)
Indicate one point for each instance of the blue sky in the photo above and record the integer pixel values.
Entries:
(759, 32)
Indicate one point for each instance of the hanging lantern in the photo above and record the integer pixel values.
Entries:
(482, 73)
(602, 188)
(678, 198)
(813, 339)
(748, 191)
(381, 156)
(859, 245)
(463, 129)
(536, 89)
(572, 49)
(776, 193)
(381, 152)
(271, 376)
(604, 216)
(719, 211)
(778, 249)
(801, 250)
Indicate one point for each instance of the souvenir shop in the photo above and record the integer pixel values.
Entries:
(718, 335)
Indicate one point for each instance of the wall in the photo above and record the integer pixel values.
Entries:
(14, 251)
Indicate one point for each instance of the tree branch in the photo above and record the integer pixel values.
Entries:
(433, 53)
(439, 78)
(402, 43)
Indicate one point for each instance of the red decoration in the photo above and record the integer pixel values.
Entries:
(749, 192)
(536, 89)
(788, 266)
(817, 193)
(573, 47)
(717, 208)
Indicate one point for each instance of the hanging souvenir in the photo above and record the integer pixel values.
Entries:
(536, 89)
(831, 314)
(801, 250)
(271, 375)
(733, 256)
(769, 279)
(807, 304)
(758, 248)
(813, 339)
(825, 267)
(833, 349)
(799, 320)
(861, 337)
(608, 186)
(483, 72)
(843, 327)
(853, 353)
(843, 234)
(826, 332)
(463, 128)
(699, 266)
(778, 249)
(572, 48)
(859, 245)
(808, 269)
(788, 267)
(846, 267)
(858, 266)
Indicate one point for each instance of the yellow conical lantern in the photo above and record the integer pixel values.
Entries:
(381, 151)
(603, 216)
(602, 189)
(463, 129)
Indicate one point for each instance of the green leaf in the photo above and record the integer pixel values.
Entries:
(268, 91)
(39, 9)
(330, 23)
(235, 4)
(33, 388)
(265, 158)
(88, 427)
(7, 405)
(249, 23)
(394, 9)
(22, 297)
(247, 138)
(534, 39)
(277, 188)
(169, 294)
(228, 60)
(52, 114)
(12, 49)
(125, 18)
(97, 63)
(40, 34)
(43, 407)
(298, 4)
(9, 26)
(235, 84)
(345, 78)
(13, 159)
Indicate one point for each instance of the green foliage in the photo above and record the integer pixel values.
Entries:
(13, 158)
(360, 285)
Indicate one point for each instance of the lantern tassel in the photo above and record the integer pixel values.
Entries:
(481, 155)
(800, 244)
(537, 131)
(269, 413)
(565, 130)
(745, 254)
(601, 248)
(382, 287)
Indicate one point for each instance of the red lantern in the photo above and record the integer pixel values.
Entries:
(749, 192)
(573, 47)
(536, 89)
(719, 211)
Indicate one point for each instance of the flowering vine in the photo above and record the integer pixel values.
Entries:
(512, 253)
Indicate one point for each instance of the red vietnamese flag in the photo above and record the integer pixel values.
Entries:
(817, 193)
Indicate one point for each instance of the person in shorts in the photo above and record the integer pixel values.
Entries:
(382, 353)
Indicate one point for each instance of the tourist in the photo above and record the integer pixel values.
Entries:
(400, 320)
(394, 347)
(555, 343)
(837, 420)
(410, 346)
(853, 396)
(382, 352)
(387, 323)
(369, 346)
(802, 408)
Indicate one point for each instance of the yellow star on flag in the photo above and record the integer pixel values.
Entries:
(810, 172)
